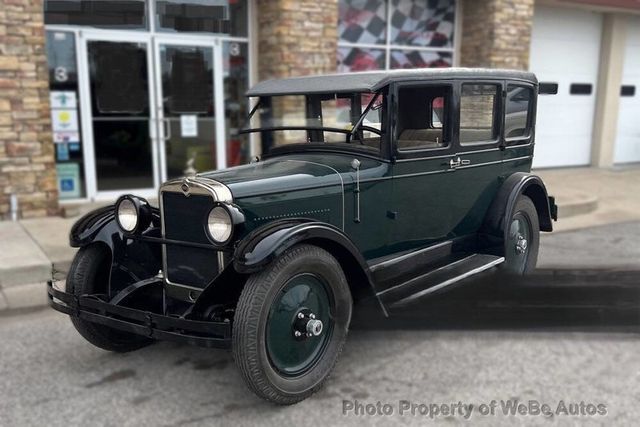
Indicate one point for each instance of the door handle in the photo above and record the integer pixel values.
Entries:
(166, 125)
(454, 163)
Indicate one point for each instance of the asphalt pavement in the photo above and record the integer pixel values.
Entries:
(560, 337)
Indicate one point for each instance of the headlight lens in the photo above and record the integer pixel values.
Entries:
(219, 224)
(127, 215)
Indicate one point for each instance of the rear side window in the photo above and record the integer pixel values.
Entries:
(516, 121)
(422, 117)
(478, 105)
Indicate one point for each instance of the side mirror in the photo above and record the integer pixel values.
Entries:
(547, 88)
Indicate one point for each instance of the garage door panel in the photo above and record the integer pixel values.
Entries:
(565, 49)
(627, 145)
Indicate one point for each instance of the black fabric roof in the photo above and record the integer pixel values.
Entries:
(372, 81)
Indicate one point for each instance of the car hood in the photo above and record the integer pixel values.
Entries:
(275, 175)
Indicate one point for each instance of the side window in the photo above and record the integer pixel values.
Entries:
(516, 120)
(478, 105)
(423, 117)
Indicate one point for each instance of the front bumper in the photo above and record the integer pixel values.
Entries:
(94, 308)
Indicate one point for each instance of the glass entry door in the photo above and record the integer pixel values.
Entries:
(156, 109)
(122, 118)
(190, 105)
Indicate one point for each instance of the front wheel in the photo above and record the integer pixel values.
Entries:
(291, 323)
(89, 274)
(522, 238)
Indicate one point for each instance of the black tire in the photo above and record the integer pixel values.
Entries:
(253, 317)
(89, 274)
(521, 257)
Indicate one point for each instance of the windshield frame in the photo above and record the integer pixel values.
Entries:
(352, 135)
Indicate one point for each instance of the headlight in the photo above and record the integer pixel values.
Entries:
(219, 224)
(132, 213)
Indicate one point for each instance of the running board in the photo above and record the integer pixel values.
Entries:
(426, 284)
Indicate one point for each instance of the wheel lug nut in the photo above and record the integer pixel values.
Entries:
(298, 334)
(312, 316)
(309, 334)
(300, 315)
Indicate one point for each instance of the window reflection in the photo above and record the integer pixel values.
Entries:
(516, 120)
(202, 16)
(119, 77)
(123, 14)
(477, 113)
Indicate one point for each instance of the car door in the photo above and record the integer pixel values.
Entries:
(477, 162)
(422, 176)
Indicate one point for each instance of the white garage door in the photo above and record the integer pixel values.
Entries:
(565, 49)
(628, 137)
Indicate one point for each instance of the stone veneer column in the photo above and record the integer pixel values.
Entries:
(27, 164)
(496, 33)
(296, 37)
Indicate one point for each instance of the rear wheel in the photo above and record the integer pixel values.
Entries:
(89, 274)
(291, 323)
(522, 238)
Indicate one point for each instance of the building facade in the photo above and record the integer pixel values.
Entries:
(102, 98)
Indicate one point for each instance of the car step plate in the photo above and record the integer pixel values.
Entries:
(433, 281)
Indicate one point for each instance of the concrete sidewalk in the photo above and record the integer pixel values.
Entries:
(586, 197)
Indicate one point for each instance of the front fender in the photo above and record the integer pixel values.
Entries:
(265, 244)
(131, 259)
(97, 225)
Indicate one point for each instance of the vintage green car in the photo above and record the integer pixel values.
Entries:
(379, 187)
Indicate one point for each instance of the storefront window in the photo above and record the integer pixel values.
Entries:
(202, 16)
(388, 34)
(236, 81)
(120, 14)
(65, 114)
(150, 107)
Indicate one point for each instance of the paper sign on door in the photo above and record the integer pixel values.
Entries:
(188, 126)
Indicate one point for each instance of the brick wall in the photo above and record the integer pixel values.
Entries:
(27, 164)
(496, 33)
(296, 37)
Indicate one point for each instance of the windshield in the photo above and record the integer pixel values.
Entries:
(325, 118)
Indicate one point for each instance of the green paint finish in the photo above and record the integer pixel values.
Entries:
(409, 201)
(319, 186)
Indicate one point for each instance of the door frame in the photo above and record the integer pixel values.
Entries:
(156, 112)
(84, 37)
(218, 95)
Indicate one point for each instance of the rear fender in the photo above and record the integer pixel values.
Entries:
(493, 231)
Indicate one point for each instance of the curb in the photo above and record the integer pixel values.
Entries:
(585, 205)
(23, 296)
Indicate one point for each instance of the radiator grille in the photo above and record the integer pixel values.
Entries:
(185, 220)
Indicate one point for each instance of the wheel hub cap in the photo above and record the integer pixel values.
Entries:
(521, 245)
(314, 327)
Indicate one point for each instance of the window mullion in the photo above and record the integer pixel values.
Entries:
(387, 39)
